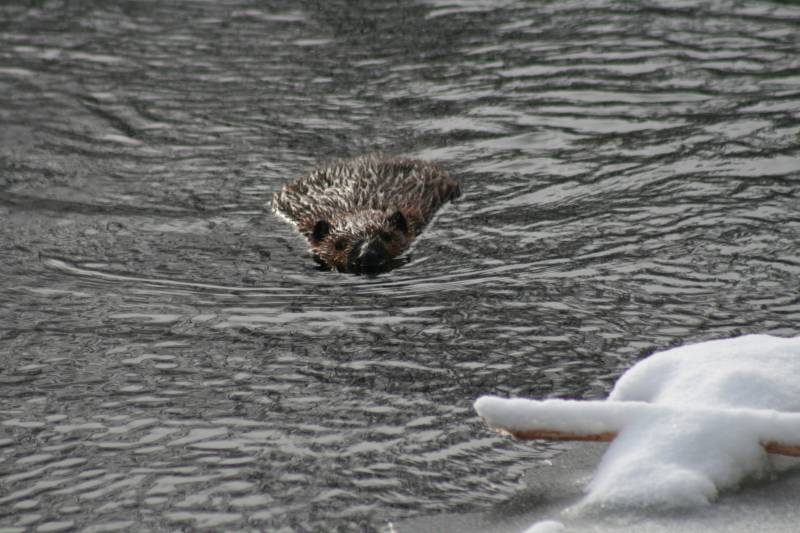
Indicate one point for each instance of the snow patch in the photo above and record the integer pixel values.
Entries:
(689, 421)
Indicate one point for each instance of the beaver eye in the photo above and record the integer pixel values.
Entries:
(386, 236)
(341, 244)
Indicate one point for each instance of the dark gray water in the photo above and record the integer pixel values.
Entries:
(169, 356)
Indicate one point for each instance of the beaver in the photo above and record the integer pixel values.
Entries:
(360, 215)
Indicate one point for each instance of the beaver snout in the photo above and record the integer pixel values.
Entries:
(368, 257)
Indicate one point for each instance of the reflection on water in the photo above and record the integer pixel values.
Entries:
(169, 357)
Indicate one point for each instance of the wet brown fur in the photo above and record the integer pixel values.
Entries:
(341, 205)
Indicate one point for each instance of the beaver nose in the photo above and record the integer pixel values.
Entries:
(372, 258)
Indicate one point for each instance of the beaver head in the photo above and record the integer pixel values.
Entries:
(363, 242)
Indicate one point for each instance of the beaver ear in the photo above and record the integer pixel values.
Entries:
(398, 221)
(321, 230)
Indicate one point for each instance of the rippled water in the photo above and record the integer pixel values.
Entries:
(170, 357)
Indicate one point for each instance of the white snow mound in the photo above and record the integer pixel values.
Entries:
(690, 421)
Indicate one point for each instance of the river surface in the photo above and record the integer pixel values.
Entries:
(170, 357)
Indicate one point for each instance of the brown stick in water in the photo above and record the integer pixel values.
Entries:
(541, 434)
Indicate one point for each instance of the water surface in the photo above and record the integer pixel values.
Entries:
(171, 358)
